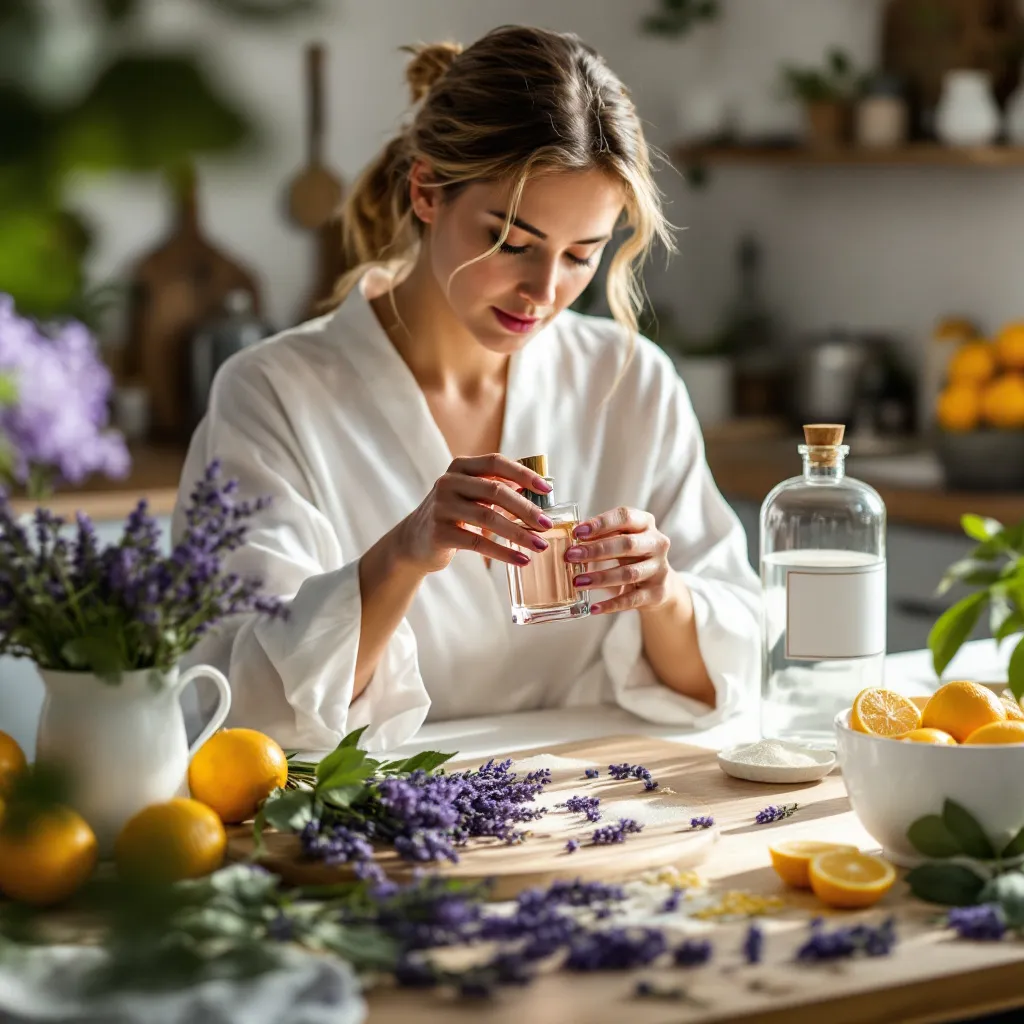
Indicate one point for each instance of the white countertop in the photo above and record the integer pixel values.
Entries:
(909, 672)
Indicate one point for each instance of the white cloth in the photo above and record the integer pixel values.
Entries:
(328, 420)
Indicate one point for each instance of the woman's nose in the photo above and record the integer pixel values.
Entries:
(540, 285)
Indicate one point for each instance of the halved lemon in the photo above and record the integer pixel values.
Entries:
(928, 736)
(847, 880)
(791, 859)
(883, 713)
(998, 732)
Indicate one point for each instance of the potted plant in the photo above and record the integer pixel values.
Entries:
(827, 94)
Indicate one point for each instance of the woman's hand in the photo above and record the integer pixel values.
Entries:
(475, 492)
(629, 537)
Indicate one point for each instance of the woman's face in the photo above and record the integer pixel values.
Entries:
(553, 248)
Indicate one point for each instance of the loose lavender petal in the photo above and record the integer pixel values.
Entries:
(753, 944)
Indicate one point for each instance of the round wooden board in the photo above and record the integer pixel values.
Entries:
(666, 840)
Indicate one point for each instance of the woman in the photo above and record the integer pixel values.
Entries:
(374, 430)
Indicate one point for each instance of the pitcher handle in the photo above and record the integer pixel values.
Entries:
(223, 704)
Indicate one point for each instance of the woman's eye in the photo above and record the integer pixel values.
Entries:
(580, 261)
(512, 250)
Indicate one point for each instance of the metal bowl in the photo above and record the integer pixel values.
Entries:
(982, 460)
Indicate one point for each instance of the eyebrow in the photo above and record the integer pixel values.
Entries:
(530, 229)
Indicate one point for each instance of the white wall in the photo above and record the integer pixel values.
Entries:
(887, 248)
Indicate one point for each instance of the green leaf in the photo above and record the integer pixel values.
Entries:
(96, 653)
(1001, 611)
(341, 796)
(953, 627)
(243, 883)
(428, 760)
(980, 528)
(343, 766)
(289, 811)
(930, 836)
(964, 828)
(970, 571)
(949, 884)
(353, 738)
(1008, 891)
(1015, 672)
(1015, 847)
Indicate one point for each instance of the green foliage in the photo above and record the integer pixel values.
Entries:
(139, 109)
(676, 18)
(995, 567)
(835, 82)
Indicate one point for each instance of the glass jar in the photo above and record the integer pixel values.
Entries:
(824, 593)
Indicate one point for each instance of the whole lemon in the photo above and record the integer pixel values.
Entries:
(974, 362)
(1002, 402)
(48, 861)
(961, 707)
(1010, 346)
(235, 770)
(171, 841)
(958, 408)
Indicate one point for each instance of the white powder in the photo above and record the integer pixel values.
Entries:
(772, 754)
(552, 761)
(654, 811)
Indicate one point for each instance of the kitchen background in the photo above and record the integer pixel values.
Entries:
(847, 181)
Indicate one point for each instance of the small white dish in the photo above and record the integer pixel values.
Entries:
(824, 760)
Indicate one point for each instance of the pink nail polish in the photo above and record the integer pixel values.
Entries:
(575, 554)
(520, 559)
(583, 530)
(595, 609)
(540, 543)
(582, 581)
(544, 522)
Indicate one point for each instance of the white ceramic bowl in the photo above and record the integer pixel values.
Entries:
(892, 784)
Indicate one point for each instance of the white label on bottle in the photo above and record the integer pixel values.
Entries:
(835, 611)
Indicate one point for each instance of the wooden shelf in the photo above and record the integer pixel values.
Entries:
(915, 155)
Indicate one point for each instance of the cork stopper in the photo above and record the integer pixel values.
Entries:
(823, 440)
(539, 465)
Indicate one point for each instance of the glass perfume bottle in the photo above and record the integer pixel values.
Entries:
(543, 591)
(824, 588)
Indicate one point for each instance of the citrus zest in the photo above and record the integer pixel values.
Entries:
(848, 880)
(883, 713)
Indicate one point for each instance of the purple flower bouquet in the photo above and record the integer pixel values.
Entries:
(71, 605)
(53, 405)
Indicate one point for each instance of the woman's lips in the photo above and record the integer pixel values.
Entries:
(517, 324)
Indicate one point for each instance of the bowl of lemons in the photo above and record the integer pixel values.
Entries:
(903, 758)
(980, 413)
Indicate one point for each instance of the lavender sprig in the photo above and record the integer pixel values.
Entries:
(753, 944)
(692, 952)
(591, 773)
(615, 833)
(774, 813)
(984, 922)
(847, 941)
(587, 805)
(702, 821)
(615, 949)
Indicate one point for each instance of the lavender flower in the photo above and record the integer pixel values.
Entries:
(671, 904)
(572, 846)
(692, 952)
(54, 425)
(847, 941)
(337, 845)
(615, 949)
(984, 922)
(753, 944)
(650, 784)
(587, 805)
(591, 773)
(702, 821)
(774, 813)
(619, 771)
(615, 833)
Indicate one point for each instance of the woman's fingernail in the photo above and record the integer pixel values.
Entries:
(595, 609)
(520, 559)
(583, 530)
(543, 487)
(544, 522)
(575, 554)
(539, 543)
(582, 581)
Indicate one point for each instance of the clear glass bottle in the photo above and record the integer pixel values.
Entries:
(543, 591)
(824, 588)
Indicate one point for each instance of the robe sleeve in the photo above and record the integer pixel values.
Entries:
(709, 550)
(293, 678)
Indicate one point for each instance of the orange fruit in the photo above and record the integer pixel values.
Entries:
(171, 841)
(792, 859)
(50, 860)
(955, 328)
(846, 880)
(998, 732)
(883, 713)
(1013, 709)
(974, 362)
(12, 759)
(1010, 346)
(235, 770)
(1002, 402)
(928, 736)
(960, 708)
(958, 408)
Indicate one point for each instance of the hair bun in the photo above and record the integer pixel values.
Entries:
(430, 62)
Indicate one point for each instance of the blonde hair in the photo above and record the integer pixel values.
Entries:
(520, 101)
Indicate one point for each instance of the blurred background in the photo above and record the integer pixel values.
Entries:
(846, 173)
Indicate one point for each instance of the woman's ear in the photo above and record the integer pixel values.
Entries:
(423, 197)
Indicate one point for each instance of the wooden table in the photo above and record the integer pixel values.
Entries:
(930, 976)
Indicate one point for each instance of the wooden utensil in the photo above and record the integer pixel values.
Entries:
(174, 288)
(315, 194)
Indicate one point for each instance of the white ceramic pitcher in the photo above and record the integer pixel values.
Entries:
(123, 743)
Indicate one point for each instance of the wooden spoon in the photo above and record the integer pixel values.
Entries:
(315, 194)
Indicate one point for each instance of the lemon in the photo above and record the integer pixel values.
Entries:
(171, 841)
(791, 859)
(1002, 402)
(958, 408)
(843, 879)
(974, 362)
(998, 732)
(936, 736)
(883, 713)
(235, 770)
(960, 707)
(1010, 346)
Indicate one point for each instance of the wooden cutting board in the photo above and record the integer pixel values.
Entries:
(667, 837)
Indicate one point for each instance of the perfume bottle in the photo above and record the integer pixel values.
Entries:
(543, 591)
(824, 589)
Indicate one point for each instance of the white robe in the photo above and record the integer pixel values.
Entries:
(327, 419)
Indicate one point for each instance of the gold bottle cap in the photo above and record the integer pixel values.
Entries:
(537, 463)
